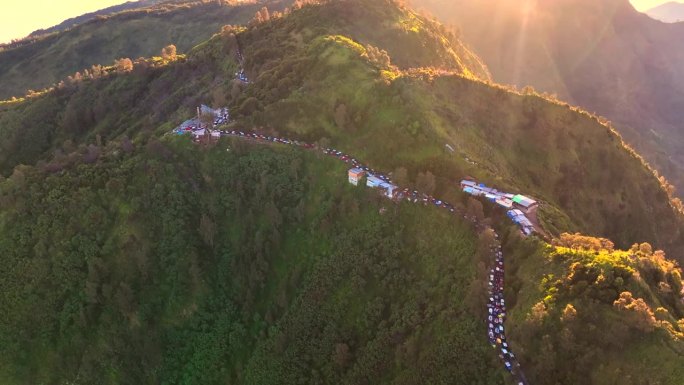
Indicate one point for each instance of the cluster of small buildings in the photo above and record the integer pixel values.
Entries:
(195, 129)
(511, 202)
(240, 75)
(379, 182)
(220, 114)
(199, 131)
(521, 220)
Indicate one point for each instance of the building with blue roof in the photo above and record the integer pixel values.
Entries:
(373, 181)
(505, 200)
(388, 188)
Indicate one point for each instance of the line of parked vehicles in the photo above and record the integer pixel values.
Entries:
(222, 118)
(254, 135)
(496, 304)
(240, 75)
(496, 309)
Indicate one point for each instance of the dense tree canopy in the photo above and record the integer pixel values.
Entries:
(128, 255)
(173, 264)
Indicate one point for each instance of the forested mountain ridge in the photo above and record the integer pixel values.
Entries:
(133, 256)
(312, 79)
(585, 312)
(601, 55)
(519, 141)
(44, 61)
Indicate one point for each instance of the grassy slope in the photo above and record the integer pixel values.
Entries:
(601, 345)
(525, 143)
(130, 34)
(251, 266)
(567, 159)
(603, 56)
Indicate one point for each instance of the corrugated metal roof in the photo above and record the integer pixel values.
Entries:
(374, 181)
(523, 200)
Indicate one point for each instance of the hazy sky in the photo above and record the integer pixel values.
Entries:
(18, 18)
(644, 5)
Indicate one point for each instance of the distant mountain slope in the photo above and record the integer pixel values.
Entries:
(602, 55)
(671, 12)
(131, 34)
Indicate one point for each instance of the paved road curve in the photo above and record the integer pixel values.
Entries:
(496, 306)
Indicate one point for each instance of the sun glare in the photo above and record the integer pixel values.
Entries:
(645, 5)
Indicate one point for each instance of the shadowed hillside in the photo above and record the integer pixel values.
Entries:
(601, 55)
(280, 273)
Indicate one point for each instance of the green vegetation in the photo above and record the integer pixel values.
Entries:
(579, 50)
(174, 264)
(130, 34)
(132, 256)
(313, 80)
(304, 78)
(135, 103)
(593, 314)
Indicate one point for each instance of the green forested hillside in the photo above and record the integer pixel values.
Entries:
(130, 256)
(172, 264)
(601, 55)
(133, 103)
(130, 34)
(590, 313)
(521, 142)
(312, 80)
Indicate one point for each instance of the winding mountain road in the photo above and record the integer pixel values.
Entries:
(496, 307)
